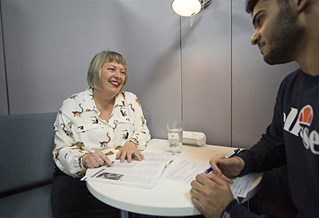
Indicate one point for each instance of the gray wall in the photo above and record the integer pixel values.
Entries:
(206, 72)
(207, 75)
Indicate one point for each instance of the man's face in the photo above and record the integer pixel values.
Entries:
(277, 33)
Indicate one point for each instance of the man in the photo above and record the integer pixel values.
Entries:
(285, 31)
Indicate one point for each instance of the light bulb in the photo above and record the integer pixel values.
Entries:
(186, 8)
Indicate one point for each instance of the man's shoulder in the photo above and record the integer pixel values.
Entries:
(293, 75)
(290, 79)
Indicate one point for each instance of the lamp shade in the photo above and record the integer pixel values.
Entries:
(186, 8)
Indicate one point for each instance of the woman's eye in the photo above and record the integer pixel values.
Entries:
(110, 69)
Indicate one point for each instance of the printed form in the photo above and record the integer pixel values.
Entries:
(186, 171)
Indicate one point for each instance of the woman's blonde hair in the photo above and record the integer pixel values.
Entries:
(94, 72)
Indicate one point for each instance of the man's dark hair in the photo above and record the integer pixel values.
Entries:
(250, 5)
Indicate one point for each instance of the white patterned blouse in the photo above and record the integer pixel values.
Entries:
(79, 130)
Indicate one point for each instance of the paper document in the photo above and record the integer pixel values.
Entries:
(144, 174)
(242, 185)
(186, 171)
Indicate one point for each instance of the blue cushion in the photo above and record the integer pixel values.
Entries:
(26, 143)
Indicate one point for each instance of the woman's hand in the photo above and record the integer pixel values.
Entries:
(128, 152)
(96, 159)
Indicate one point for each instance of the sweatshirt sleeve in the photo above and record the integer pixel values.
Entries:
(235, 210)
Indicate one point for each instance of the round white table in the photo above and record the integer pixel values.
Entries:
(168, 197)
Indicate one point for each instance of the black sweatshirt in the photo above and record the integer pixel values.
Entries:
(293, 139)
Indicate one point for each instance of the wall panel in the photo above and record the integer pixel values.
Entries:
(206, 68)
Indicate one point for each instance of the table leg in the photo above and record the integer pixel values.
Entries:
(124, 214)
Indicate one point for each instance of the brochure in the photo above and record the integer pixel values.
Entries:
(143, 174)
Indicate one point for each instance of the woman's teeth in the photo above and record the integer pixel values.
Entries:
(114, 83)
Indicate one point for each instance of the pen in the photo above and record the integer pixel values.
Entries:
(234, 152)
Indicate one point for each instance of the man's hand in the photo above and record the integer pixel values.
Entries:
(210, 194)
(229, 167)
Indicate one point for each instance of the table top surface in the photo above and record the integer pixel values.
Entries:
(168, 197)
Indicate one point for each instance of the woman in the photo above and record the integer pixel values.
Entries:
(91, 125)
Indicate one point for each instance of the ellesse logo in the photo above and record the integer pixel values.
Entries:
(306, 115)
(298, 125)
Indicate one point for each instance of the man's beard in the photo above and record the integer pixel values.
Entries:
(286, 37)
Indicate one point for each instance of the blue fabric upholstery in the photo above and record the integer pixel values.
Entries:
(26, 143)
(26, 162)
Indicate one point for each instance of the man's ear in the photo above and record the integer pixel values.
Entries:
(300, 5)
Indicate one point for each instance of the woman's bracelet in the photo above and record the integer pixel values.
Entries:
(134, 141)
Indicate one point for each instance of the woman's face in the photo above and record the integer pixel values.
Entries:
(113, 76)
